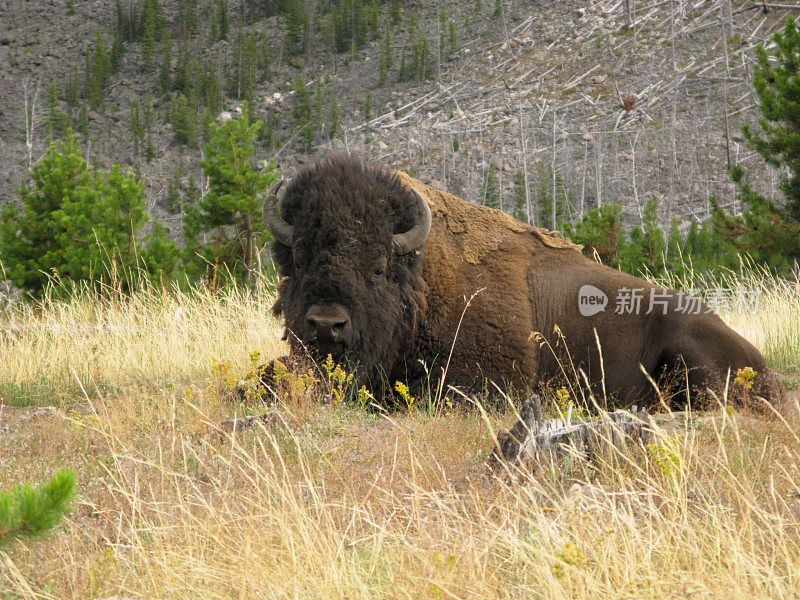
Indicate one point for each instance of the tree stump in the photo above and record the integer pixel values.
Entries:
(533, 439)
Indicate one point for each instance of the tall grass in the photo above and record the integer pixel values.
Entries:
(404, 509)
(113, 341)
(334, 502)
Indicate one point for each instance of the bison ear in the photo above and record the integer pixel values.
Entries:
(414, 238)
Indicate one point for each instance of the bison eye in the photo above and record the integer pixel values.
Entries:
(295, 260)
(378, 269)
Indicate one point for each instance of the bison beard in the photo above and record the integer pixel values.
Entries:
(381, 271)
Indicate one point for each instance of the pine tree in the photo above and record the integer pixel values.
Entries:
(366, 106)
(600, 232)
(632, 255)
(83, 122)
(128, 23)
(26, 511)
(351, 22)
(674, 250)
(162, 258)
(101, 223)
(209, 89)
(269, 133)
(386, 55)
(164, 77)
(264, 59)
(152, 26)
(98, 73)
(57, 120)
(30, 237)
(75, 223)
(709, 250)
(182, 80)
(769, 229)
(173, 196)
(491, 188)
(184, 120)
(319, 100)
(296, 26)
(442, 30)
(117, 51)
(175, 186)
(402, 73)
(245, 71)
(230, 212)
(192, 193)
(498, 9)
(552, 211)
(220, 23)
(187, 17)
(303, 112)
(370, 13)
(650, 241)
(421, 66)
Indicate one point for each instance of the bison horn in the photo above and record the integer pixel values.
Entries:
(280, 229)
(411, 240)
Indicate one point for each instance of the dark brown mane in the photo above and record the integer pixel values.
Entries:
(344, 207)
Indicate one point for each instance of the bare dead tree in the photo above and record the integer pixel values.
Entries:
(32, 118)
(627, 14)
(523, 148)
(728, 17)
(598, 168)
(633, 175)
(583, 179)
(673, 159)
(553, 223)
(673, 58)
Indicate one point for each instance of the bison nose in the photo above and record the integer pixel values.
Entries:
(328, 322)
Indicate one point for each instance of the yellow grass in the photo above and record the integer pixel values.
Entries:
(338, 502)
(148, 339)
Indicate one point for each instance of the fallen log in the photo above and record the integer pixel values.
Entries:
(271, 420)
(533, 439)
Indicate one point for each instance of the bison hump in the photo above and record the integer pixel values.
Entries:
(554, 239)
(478, 227)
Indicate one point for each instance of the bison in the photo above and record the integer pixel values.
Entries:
(405, 282)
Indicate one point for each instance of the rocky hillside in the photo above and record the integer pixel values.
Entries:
(516, 101)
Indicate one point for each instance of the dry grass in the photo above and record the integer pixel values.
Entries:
(113, 343)
(338, 502)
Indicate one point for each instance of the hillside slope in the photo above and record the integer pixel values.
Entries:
(563, 95)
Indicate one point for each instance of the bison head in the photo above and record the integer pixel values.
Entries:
(348, 244)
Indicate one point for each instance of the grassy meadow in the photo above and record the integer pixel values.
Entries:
(335, 501)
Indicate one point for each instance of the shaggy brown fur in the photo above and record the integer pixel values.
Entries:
(484, 298)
